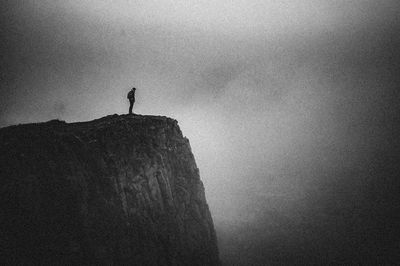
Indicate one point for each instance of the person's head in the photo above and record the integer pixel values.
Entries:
(133, 89)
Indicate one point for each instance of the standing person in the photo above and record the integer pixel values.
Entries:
(131, 98)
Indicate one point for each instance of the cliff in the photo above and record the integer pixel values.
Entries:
(114, 191)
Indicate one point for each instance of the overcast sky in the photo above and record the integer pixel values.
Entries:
(291, 107)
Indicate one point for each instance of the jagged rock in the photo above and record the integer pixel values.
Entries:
(114, 191)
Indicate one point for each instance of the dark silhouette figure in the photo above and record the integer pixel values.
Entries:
(131, 98)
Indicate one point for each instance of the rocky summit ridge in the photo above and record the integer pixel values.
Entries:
(119, 190)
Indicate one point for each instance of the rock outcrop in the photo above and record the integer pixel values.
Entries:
(120, 190)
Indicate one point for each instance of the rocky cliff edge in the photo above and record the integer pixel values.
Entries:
(120, 190)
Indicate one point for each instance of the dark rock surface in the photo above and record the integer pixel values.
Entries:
(120, 190)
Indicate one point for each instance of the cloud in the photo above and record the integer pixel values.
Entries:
(291, 106)
(59, 108)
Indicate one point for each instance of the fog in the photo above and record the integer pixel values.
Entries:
(291, 108)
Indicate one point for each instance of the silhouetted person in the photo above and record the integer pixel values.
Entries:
(131, 97)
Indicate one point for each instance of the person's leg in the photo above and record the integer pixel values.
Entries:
(130, 106)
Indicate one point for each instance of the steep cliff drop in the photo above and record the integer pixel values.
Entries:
(120, 190)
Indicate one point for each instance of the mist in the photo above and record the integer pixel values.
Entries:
(291, 108)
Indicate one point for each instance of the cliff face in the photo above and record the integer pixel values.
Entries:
(113, 191)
